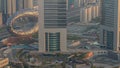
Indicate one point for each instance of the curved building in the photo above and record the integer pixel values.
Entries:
(24, 23)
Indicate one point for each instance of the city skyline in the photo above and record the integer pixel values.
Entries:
(59, 34)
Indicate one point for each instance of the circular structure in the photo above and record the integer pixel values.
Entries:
(24, 22)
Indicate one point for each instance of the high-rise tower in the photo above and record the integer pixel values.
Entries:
(52, 21)
(110, 25)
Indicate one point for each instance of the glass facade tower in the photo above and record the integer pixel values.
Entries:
(52, 20)
(110, 25)
(55, 13)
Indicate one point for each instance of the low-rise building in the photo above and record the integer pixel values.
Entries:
(114, 55)
(4, 62)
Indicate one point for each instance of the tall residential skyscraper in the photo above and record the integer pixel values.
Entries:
(110, 28)
(0, 6)
(9, 7)
(52, 21)
(23, 4)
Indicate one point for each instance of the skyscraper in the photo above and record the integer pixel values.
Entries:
(110, 25)
(9, 7)
(23, 4)
(52, 21)
(0, 6)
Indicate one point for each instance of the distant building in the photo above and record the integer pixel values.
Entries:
(35, 2)
(70, 3)
(0, 19)
(9, 7)
(110, 25)
(83, 11)
(52, 31)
